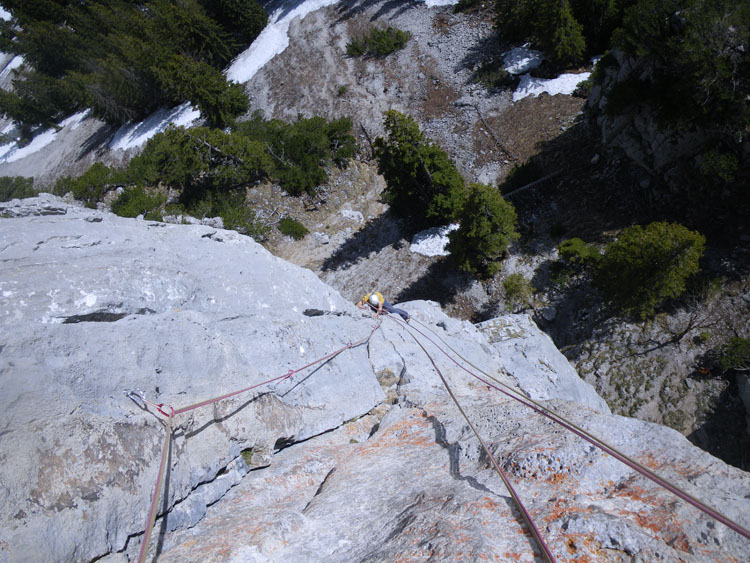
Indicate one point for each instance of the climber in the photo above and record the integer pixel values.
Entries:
(377, 302)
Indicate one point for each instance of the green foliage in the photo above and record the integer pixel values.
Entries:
(422, 181)
(647, 265)
(693, 75)
(91, 186)
(231, 206)
(735, 355)
(125, 59)
(518, 291)
(493, 76)
(242, 19)
(201, 162)
(135, 201)
(12, 187)
(568, 43)
(205, 86)
(378, 42)
(576, 251)
(487, 226)
(464, 5)
(292, 228)
(236, 215)
(565, 30)
(299, 151)
(200, 159)
(720, 164)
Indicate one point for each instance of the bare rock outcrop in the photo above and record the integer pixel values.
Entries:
(360, 456)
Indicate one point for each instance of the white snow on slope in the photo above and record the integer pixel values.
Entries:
(432, 242)
(521, 60)
(563, 84)
(130, 136)
(433, 3)
(272, 40)
(11, 152)
(14, 63)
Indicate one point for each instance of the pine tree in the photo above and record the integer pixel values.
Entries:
(568, 43)
(487, 226)
(422, 181)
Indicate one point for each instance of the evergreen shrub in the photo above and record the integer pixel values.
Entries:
(422, 181)
(135, 201)
(378, 42)
(12, 187)
(647, 265)
(735, 355)
(518, 291)
(576, 251)
(292, 228)
(487, 227)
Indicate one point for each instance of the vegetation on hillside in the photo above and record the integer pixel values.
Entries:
(693, 74)
(422, 181)
(125, 59)
(12, 187)
(424, 185)
(378, 42)
(647, 265)
(567, 31)
(487, 227)
(207, 172)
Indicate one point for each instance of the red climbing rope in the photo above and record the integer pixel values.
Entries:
(687, 497)
(173, 412)
(525, 513)
(157, 489)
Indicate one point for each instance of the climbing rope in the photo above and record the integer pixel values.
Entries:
(524, 513)
(157, 489)
(550, 414)
(160, 407)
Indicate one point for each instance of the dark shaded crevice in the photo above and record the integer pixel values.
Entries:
(104, 316)
(320, 489)
(453, 455)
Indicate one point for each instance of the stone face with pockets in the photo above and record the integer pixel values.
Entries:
(360, 456)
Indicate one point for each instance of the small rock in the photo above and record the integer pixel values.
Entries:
(321, 238)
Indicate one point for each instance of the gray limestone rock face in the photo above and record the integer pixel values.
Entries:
(532, 359)
(420, 488)
(360, 454)
(92, 309)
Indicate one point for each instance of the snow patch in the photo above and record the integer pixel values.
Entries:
(271, 41)
(4, 14)
(130, 136)
(12, 152)
(432, 242)
(14, 63)
(522, 59)
(75, 120)
(563, 84)
(433, 3)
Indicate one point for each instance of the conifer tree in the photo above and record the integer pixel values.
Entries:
(422, 181)
(487, 226)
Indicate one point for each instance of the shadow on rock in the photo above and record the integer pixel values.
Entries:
(98, 141)
(724, 433)
(389, 10)
(440, 282)
(385, 230)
